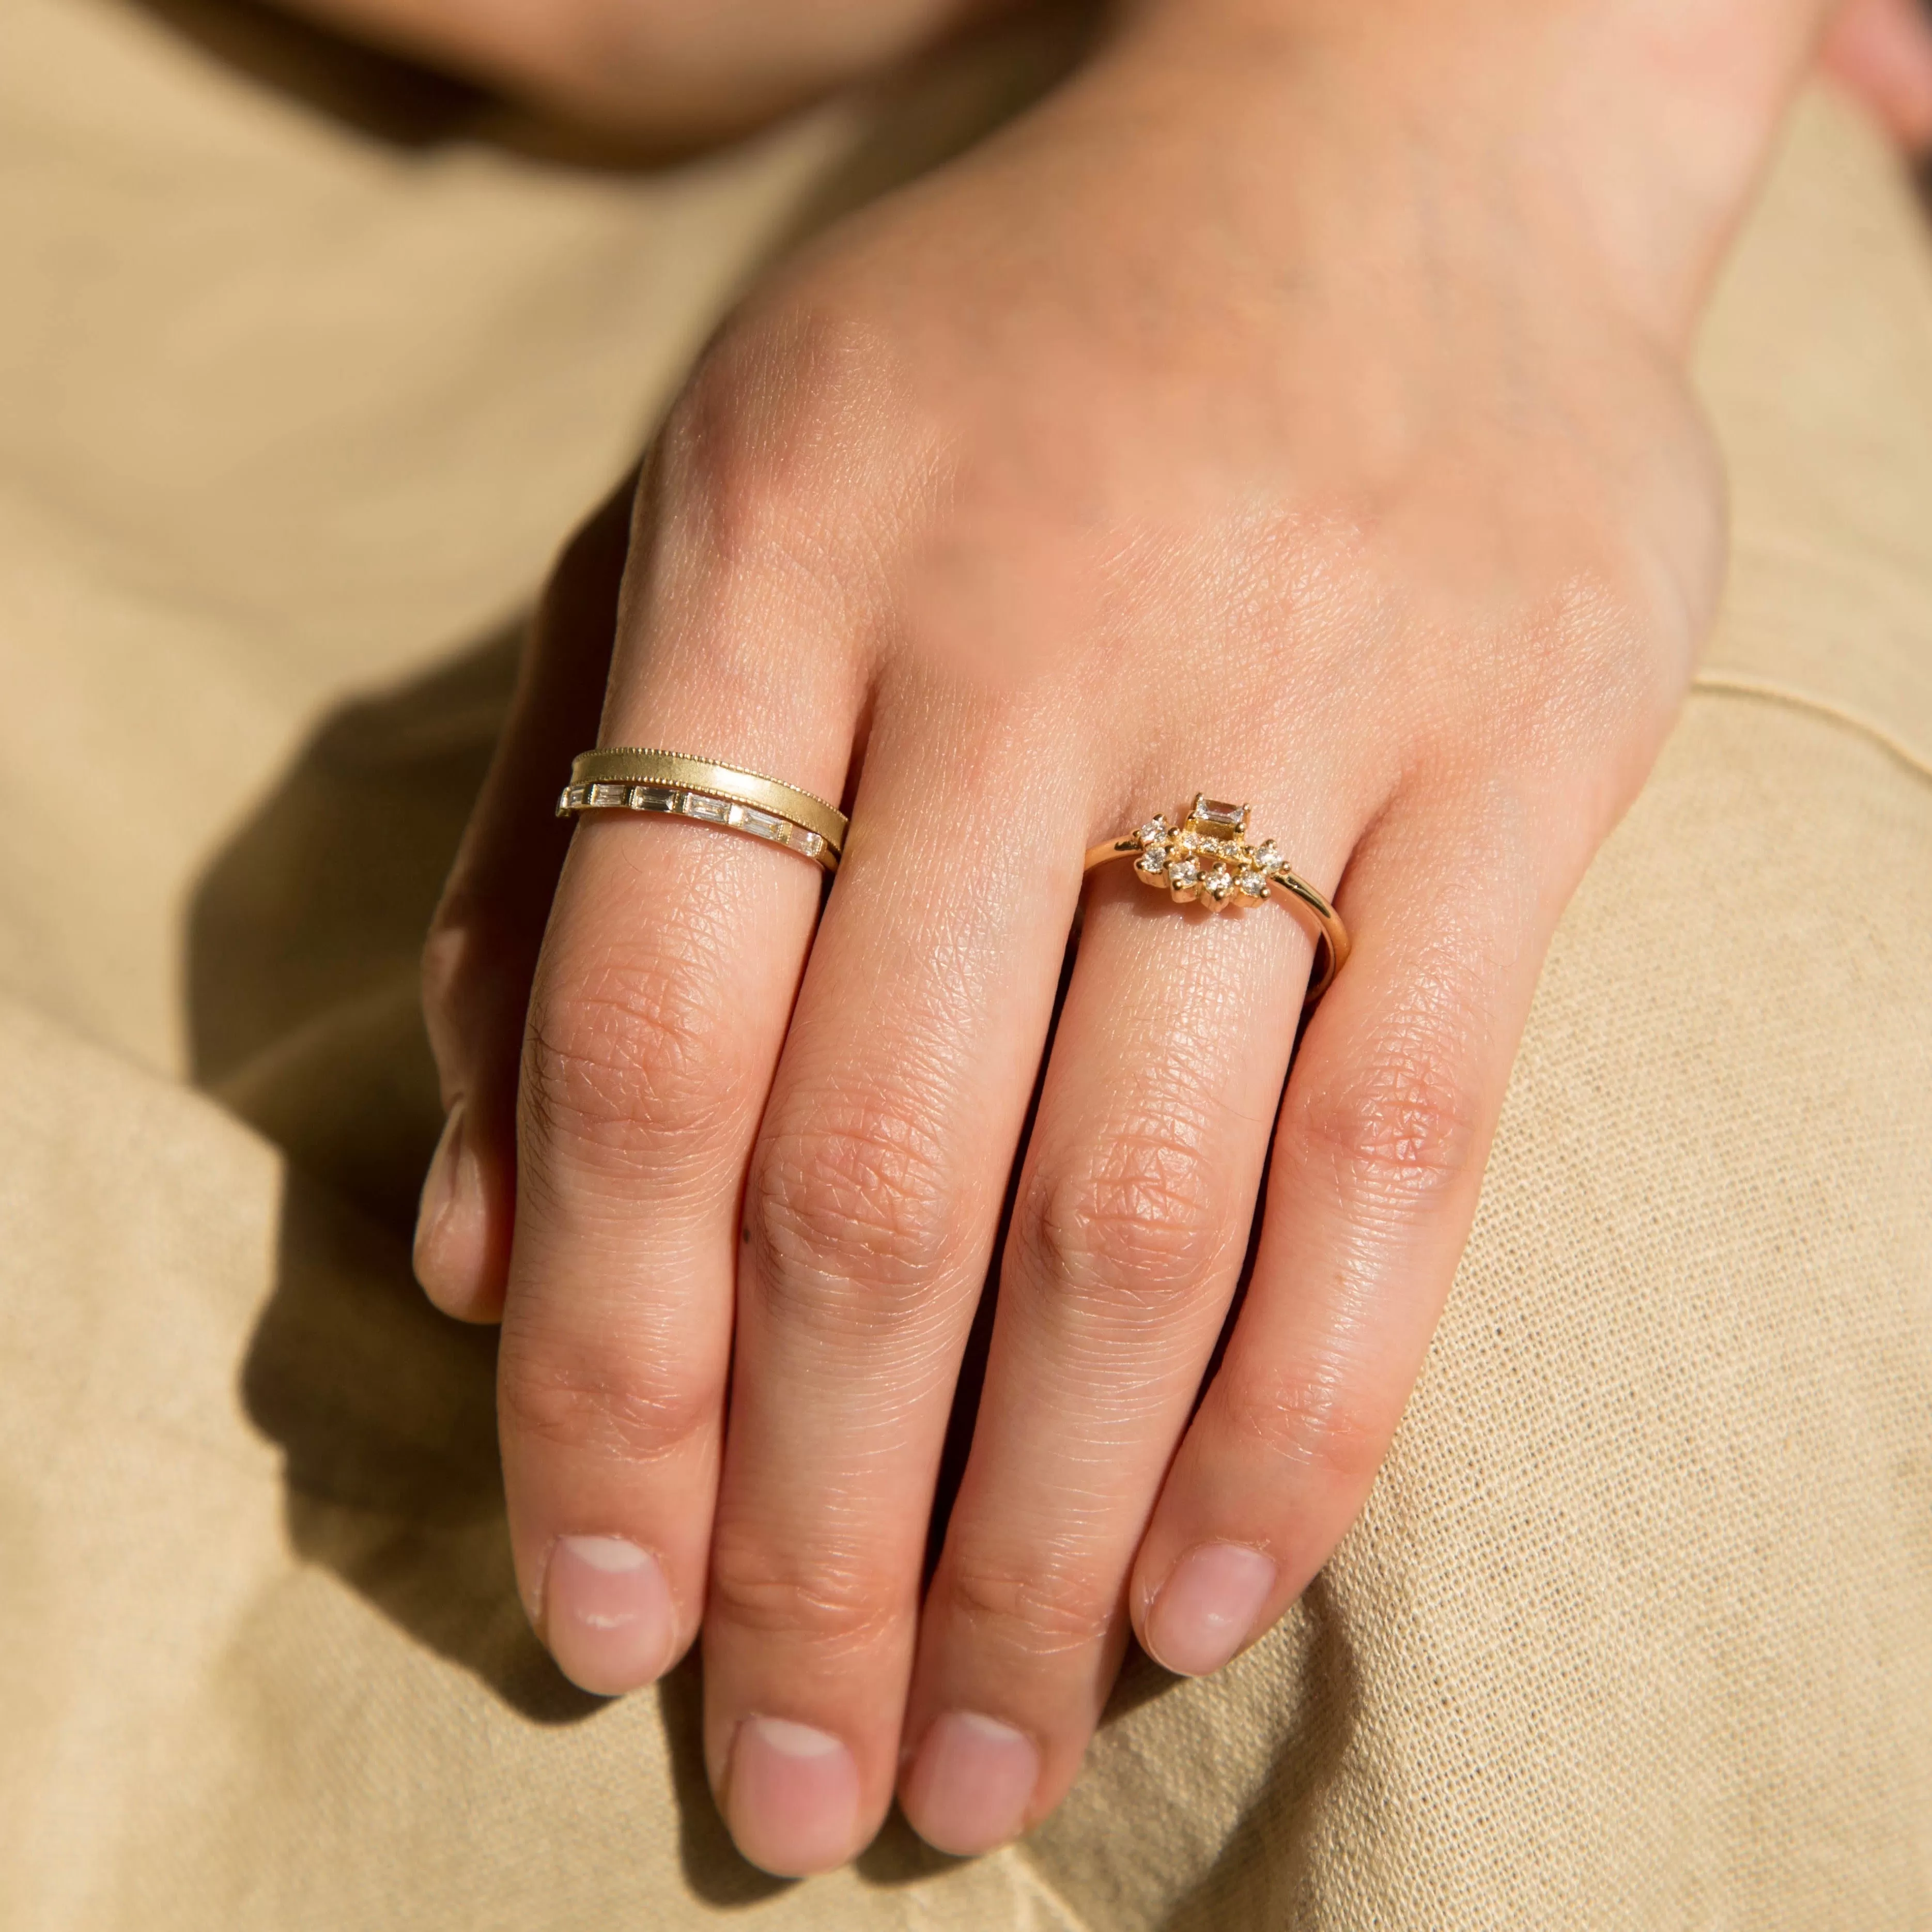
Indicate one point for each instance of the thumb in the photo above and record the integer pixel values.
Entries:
(482, 947)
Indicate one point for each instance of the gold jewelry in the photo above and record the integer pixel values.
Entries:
(1209, 862)
(631, 780)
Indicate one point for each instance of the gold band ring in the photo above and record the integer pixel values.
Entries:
(633, 780)
(1208, 861)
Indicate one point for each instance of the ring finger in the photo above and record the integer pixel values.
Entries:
(1132, 1221)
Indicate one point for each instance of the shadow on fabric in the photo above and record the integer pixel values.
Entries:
(302, 945)
(1258, 1876)
(302, 958)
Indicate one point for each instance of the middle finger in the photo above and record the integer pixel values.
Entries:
(873, 1197)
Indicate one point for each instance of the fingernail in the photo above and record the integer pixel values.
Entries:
(441, 1187)
(791, 1797)
(1207, 1607)
(971, 1783)
(608, 1618)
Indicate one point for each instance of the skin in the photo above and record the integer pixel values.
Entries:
(671, 71)
(674, 72)
(1293, 406)
(1883, 49)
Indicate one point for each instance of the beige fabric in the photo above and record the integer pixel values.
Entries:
(1637, 1630)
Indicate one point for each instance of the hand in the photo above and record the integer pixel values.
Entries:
(1292, 414)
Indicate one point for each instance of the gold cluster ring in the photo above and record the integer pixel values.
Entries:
(1207, 860)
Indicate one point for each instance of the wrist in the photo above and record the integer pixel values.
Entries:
(1633, 131)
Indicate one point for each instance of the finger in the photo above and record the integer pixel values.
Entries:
(482, 946)
(1377, 1161)
(872, 1207)
(1130, 1225)
(659, 1004)
(1883, 49)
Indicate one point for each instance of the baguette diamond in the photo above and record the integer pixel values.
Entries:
(1211, 815)
(707, 808)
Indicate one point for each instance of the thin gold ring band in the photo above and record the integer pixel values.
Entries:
(629, 778)
(1207, 860)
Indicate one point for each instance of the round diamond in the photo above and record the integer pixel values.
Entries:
(1253, 885)
(1267, 856)
(1187, 841)
(1220, 882)
(1153, 831)
(1151, 864)
(1184, 875)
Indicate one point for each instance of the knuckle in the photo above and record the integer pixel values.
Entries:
(1399, 1125)
(447, 984)
(632, 1056)
(473, 985)
(1140, 1222)
(1055, 1607)
(444, 957)
(841, 1603)
(852, 1212)
(760, 442)
(613, 1408)
(1308, 1424)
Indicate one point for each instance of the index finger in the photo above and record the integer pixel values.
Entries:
(660, 1002)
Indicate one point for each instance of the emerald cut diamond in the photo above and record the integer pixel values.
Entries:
(1214, 814)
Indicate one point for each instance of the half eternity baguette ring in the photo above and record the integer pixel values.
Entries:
(1208, 861)
(631, 780)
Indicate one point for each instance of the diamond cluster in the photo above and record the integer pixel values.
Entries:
(696, 805)
(1207, 860)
